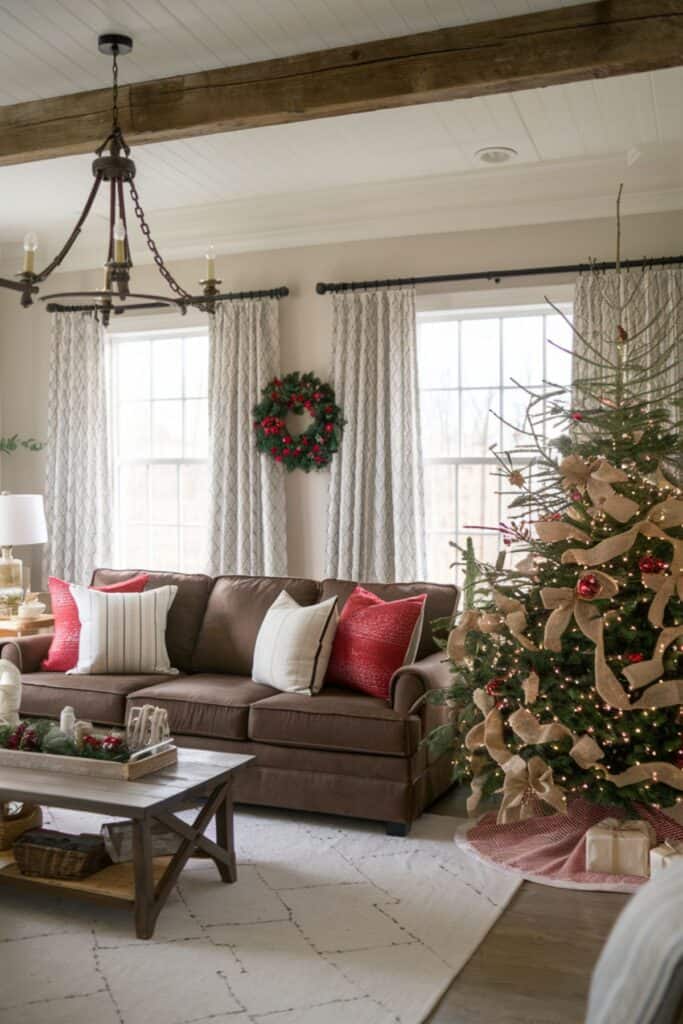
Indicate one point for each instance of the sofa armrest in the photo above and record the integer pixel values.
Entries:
(411, 683)
(26, 652)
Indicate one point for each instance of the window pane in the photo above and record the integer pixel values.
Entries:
(197, 428)
(477, 498)
(163, 494)
(193, 555)
(194, 484)
(480, 352)
(164, 547)
(440, 557)
(480, 428)
(133, 493)
(134, 430)
(437, 349)
(439, 423)
(515, 406)
(134, 550)
(167, 368)
(523, 349)
(133, 369)
(440, 497)
(167, 429)
(196, 367)
(558, 364)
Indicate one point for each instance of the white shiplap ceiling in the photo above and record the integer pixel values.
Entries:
(48, 47)
(310, 180)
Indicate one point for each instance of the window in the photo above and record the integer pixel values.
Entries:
(466, 360)
(159, 391)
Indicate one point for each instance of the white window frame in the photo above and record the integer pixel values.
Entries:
(455, 308)
(118, 461)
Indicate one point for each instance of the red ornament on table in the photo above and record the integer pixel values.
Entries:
(635, 657)
(588, 587)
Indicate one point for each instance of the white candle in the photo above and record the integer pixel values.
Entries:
(67, 721)
(30, 247)
(119, 242)
(210, 263)
(10, 693)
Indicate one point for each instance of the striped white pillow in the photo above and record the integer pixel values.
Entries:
(294, 644)
(123, 633)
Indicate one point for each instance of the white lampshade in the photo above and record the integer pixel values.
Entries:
(22, 520)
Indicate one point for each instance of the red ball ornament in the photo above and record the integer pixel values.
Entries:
(649, 564)
(635, 657)
(577, 416)
(588, 587)
(494, 685)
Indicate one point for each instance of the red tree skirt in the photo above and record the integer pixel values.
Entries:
(552, 849)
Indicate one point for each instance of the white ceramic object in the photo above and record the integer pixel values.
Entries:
(67, 721)
(31, 610)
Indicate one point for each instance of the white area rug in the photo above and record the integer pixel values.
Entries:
(327, 923)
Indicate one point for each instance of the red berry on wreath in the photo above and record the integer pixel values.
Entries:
(329, 427)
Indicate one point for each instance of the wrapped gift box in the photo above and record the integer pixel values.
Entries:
(662, 857)
(619, 847)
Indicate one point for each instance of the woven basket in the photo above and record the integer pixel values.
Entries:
(11, 827)
(44, 853)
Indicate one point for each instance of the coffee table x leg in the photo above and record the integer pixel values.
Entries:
(151, 897)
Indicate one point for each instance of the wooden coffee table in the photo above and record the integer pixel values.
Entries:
(201, 779)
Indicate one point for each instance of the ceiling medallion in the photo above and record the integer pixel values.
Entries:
(112, 165)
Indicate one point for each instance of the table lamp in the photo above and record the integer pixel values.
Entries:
(22, 521)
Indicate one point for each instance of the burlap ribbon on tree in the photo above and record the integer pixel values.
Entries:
(551, 531)
(654, 771)
(537, 780)
(512, 614)
(595, 479)
(566, 604)
(661, 517)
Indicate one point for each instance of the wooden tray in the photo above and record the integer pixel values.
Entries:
(127, 771)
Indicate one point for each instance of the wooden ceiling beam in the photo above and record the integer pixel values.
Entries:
(569, 44)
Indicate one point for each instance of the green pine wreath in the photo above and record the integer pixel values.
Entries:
(298, 393)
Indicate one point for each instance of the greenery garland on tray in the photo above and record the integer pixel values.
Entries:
(298, 393)
(42, 736)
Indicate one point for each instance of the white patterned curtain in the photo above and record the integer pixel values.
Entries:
(78, 493)
(247, 515)
(376, 509)
(650, 300)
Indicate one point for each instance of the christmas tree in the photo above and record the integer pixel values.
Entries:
(565, 655)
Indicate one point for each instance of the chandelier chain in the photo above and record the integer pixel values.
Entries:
(152, 246)
(115, 90)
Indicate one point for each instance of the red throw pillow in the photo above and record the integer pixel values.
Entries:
(373, 639)
(63, 653)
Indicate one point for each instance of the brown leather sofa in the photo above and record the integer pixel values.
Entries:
(338, 752)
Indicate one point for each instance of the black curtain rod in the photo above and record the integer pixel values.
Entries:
(323, 287)
(265, 293)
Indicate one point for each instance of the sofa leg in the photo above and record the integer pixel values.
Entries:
(397, 828)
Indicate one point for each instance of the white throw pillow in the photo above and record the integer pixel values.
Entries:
(294, 644)
(123, 633)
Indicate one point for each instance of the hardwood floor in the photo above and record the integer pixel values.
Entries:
(535, 964)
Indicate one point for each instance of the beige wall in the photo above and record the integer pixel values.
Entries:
(305, 322)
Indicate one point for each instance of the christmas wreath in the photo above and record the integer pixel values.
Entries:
(298, 393)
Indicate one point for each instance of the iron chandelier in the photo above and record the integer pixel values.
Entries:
(113, 166)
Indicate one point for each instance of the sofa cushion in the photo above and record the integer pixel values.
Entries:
(187, 611)
(97, 698)
(237, 607)
(216, 706)
(334, 719)
(442, 599)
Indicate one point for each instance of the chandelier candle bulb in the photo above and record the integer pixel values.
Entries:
(119, 242)
(30, 248)
(210, 263)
